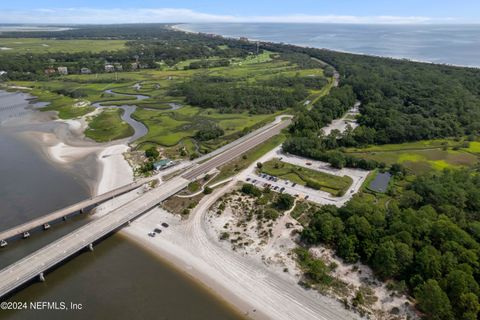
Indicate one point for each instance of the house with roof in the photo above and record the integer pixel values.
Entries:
(163, 164)
(109, 68)
(62, 70)
(85, 71)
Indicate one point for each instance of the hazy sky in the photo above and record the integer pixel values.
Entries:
(342, 11)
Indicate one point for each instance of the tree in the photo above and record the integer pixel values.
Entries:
(429, 263)
(347, 248)
(259, 165)
(433, 301)
(207, 190)
(152, 153)
(250, 189)
(385, 260)
(284, 201)
(468, 306)
(209, 133)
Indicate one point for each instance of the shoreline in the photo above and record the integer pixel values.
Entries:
(177, 27)
(256, 289)
(62, 144)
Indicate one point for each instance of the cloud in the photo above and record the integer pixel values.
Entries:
(170, 15)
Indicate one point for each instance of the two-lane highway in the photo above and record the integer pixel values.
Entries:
(236, 151)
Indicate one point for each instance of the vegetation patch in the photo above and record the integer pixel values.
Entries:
(108, 126)
(335, 185)
(422, 156)
(38, 45)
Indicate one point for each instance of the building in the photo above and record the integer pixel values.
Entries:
(85, 71)
(109, 68)
(50, 71)
(2, 72)
(118, 67)
(134, 65)
(62, 70)
(163, 164)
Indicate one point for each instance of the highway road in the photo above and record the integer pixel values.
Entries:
(38, 262)
(42, 260)
(236, 151)
(35, 223)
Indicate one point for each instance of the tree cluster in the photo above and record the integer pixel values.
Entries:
(427, 239)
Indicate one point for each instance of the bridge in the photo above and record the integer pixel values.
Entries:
(25, 228)
(37, 263)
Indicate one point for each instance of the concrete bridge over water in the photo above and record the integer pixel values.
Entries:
(36, 264)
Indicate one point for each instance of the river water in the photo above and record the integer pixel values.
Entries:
(119, 280)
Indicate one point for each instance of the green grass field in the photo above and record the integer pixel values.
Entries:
(334, 185)
(172, 129)
(37, 45)
(474, 147)
(422, 156)
(108, 126)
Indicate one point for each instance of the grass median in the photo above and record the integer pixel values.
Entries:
(335, 185)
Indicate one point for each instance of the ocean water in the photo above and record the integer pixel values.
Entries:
(445, 44)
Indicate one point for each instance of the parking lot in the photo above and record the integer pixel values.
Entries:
(302, 192)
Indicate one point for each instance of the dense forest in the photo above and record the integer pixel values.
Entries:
(403, 100)
(229, 97)
(427, 239)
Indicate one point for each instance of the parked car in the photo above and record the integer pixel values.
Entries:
(248, 179)
(157, 230)
(294, 184)
(152, 234)
(164, 224)
(308, 163)
(306, 197)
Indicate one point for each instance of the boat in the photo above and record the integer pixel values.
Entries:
(26, 235)
(3, 243)
(46, 226)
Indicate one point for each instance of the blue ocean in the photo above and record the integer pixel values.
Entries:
(445, 44)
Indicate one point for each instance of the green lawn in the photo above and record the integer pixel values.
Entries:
(108, 126)
(37, 45)
(334, 185)
(422, 156)
(474, 147)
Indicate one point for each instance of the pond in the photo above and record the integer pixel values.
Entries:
(380, 183)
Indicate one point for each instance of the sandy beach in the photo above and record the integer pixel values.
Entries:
(257, 290)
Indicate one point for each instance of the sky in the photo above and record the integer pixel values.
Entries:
(295, 11)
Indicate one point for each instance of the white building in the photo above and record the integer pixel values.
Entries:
(109, 68)
(62, 70)
(85, 71)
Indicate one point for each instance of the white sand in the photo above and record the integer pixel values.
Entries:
(115, 170)
(246, 283)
